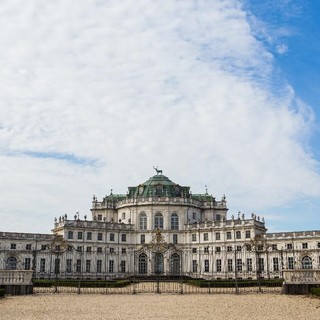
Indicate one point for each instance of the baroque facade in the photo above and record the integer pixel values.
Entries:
(160, 228)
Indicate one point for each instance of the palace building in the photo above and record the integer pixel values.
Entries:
(160, 228)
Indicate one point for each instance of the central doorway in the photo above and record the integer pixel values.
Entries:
(158, 263)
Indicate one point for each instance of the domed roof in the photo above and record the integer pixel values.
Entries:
(159, 179)
(158, 186)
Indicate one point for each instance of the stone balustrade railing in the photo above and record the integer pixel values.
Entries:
(15, 277)
(301, 276)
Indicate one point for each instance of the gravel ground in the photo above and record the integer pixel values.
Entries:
(161, 306)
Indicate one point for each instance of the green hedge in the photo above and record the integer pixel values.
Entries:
(315, 291)
(231, 283)
(2, 292)
(83, 284)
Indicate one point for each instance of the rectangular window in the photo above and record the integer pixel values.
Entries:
(218, 265)
(248, 234)
(111, 250)
(44, 247)
(194, 237)
(78, 266)
(239, 248)
(123, 237)
(194, 266)
(305, 245)
(13, 246)
(79, 235)
(206, 249)
(274, 247)
(99, 236)
(318, 245)
(88, 265)
(239, 265)
(230, 269)
(249, 265)
(194, 250)
(218, 237)
(238, 234)
(99, 217)
(89, 249)
(290, 263)
(218, 249)
(175, 239)
(142, 238)
(99, 265)
(206, 265)
(89, 235)
(27, 264)
(99, 249)
(111, 266)
(111, 237)
(79, 248)
(70, 235)
(69, 265)
(218, 217)
(42, 265)
(122, 266)
(123, 250)
(28, 247)
(261, 264)
(229, 248)
(289, 246)
(205, 237)
(228, 235)
(275, 264)
(69, 248)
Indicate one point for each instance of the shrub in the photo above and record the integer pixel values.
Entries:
(2, 292)
(231, 283)
(315, 291)
(83, 283)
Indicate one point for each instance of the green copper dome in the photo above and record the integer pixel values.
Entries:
(158, 186)
(159, 179)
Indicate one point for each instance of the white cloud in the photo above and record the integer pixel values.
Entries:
(183, 85)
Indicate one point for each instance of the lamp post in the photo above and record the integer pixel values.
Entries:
(58, 247)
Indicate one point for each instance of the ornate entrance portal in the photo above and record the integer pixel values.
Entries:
(165, 264)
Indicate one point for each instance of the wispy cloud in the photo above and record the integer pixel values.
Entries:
(185, 85)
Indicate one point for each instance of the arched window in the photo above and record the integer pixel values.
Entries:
(143, 264)
(12, 263)
(174, 222)
(143, 221)
(175, 264)
(306, 263)
(158, 221)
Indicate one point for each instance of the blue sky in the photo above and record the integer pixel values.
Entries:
(295, 25)
(217, 93)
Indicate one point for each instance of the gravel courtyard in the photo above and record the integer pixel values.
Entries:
(152, 306)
